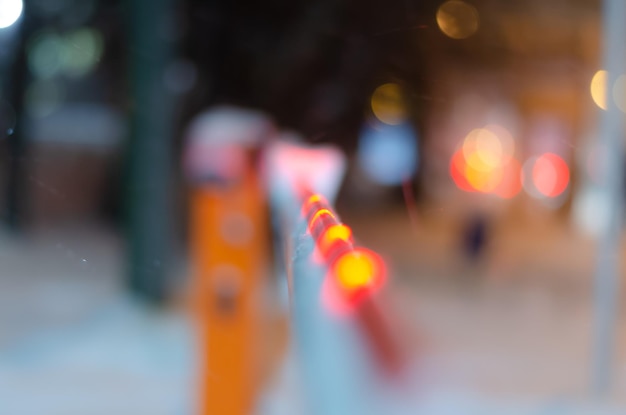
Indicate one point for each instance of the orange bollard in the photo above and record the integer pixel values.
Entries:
(228, 241)
(228, 247)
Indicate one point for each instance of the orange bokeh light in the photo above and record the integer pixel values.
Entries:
(483, 149)
(550, 175)
(485, 163)
(481, 176)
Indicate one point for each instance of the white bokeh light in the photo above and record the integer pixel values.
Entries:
(10, 11)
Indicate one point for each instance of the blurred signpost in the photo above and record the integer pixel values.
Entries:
(611, 139)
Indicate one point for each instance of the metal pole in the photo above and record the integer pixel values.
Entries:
(149, 191)
(16, 144)
(612, 135)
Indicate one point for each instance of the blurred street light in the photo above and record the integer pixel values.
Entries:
(598, 88)
(10, 12)
(457, 19)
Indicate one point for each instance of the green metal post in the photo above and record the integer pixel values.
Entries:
(149, 184)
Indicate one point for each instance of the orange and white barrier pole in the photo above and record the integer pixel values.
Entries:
(228, 250)
(229, 236)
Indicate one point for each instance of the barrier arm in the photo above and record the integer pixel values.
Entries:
(345, 351)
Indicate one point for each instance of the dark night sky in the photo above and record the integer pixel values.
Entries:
(312, 65)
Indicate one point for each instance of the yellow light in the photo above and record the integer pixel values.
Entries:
(333, 234)
(457, 19)
(475, 162)
(388, 104)
(598, 88)
(482, 179)
(315, 198)
(355, 270)
(482, 149)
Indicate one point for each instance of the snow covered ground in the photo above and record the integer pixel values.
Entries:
(73, 343)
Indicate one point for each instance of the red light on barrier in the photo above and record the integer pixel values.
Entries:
(358, 273)
(313, 199)
(334, 234)
(318, 215)
(354, 273)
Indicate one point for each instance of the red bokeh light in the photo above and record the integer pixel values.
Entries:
(550, 175)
